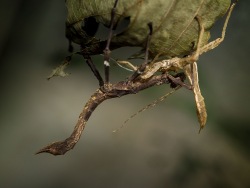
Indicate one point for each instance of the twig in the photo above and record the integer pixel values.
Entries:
(103, 93)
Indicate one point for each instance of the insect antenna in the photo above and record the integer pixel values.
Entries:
(140, 70)
(153, 104)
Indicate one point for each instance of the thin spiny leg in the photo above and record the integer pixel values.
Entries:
(199, 99)
(217, 41)
(177, 81)
(211, 45)
(94, 70)
(150, 25)
(195, 56)
(107, 50)
(144, 64)
(200, 50)
(191, 71)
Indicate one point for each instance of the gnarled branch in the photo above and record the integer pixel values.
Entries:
(108, 91)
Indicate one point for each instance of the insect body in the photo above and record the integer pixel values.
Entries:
(179, 47)
(189, 66)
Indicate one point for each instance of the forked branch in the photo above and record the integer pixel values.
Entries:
(103, 93)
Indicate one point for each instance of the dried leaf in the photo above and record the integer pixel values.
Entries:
(59, 71)
(174, 24)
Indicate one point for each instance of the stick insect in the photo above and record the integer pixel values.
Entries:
(144, 76)
(190, 68)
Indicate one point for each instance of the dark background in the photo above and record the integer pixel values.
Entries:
(158, 148)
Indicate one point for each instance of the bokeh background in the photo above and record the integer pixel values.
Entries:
(158, 148)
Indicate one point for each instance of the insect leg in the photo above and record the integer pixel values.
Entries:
(216, 42)
(140, 70)
(195, 56)
(107, 50)
(178, 80)
(126, 65)
(191, 70)
(192, 73)
(94, 70)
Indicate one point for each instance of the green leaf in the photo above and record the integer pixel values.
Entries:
(175, 29)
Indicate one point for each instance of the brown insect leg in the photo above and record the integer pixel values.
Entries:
(213, 44)
(144, 64)
(191, 71)
(178, 81)
(195, 56)
(107, 49)
(94, 70)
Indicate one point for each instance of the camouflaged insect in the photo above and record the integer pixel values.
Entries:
(180, 35)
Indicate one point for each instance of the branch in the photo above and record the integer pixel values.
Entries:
(108, 91)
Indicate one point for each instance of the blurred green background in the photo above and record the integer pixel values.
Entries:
(158, 148)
